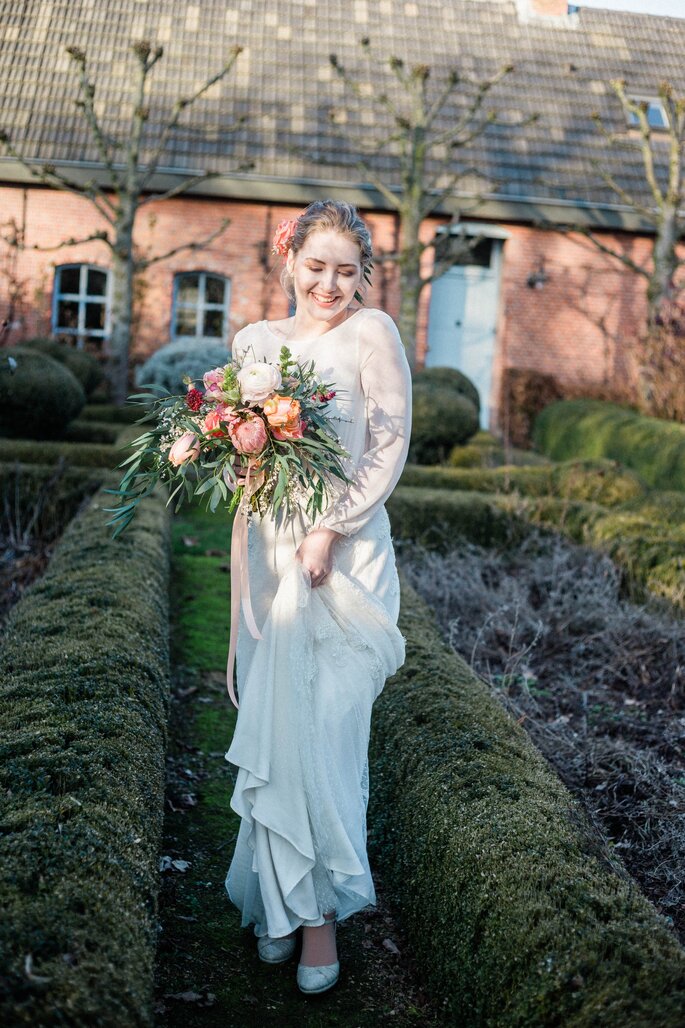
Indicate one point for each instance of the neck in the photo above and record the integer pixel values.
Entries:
(304, 325)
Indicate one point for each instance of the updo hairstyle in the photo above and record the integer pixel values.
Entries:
(329, 214)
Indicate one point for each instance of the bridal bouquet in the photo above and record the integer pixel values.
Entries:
(259, 429)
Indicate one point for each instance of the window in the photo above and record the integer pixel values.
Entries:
(656, 115)
(81, 305)
(200, 306)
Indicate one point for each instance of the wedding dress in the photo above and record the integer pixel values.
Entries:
(306, 688)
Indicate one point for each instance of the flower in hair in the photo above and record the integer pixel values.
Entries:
(283, 237)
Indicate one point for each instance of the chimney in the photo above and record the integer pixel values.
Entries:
(547, 8)
(554, 13)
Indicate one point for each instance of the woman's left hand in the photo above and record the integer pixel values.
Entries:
(315, 552)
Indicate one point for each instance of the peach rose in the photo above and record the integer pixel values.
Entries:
(281, 409)
(216, 420)
(186, 448)
(248, 436)
(291, 430)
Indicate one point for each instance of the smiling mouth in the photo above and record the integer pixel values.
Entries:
(325, 299)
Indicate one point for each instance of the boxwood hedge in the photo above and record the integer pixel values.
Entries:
(591, 428)
(516, 911)
(84, 680)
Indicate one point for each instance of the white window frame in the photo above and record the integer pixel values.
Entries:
(200, 307)
(81, 333)
(655, 103)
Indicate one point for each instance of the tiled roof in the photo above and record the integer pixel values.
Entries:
(284, 83)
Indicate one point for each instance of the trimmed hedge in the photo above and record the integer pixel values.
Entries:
(111, 412)
(599, 481)
(515, 910)
(434, 517)
(83, 455)
(39, 396)
(592, 428)
(84, 674)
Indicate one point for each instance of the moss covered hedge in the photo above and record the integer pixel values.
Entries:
(515, 912)
(82, 454)
(592, 428)
(434, 517)
(84, 675)
(600, 481)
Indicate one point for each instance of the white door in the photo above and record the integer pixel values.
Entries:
(462, 323)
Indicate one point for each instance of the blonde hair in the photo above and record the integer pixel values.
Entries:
(329, 214)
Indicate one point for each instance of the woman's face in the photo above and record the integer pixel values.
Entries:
(326, 272)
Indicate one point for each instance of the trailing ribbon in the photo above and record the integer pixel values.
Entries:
(240, 579)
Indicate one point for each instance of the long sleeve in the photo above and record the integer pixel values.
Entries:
(386, 383)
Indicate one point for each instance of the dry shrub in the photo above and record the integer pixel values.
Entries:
(598, 683)
(524, 394)
(659, 365)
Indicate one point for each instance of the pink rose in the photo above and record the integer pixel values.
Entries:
(213, 382)
(283, 237)
(248, 436)
(186, 448)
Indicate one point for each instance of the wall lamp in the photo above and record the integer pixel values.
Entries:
(537, 279)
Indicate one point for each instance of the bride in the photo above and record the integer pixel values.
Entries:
(326, 593)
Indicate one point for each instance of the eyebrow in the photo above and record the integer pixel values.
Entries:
(323, 262)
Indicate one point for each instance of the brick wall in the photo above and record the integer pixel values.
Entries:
(576, 326)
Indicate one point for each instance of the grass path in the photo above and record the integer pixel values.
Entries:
(208, 972)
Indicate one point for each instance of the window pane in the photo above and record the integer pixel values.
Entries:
(67, 314)
(97, 282)
(95, 315)
(188, 291)
(186, 321)
(69, 280)
(214, 323)
(214, 289)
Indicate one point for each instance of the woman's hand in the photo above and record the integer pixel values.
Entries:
(316, 553)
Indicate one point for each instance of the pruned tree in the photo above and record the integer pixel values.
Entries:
(661, 154)
(125, 190)
(13, 236)
(419, 136)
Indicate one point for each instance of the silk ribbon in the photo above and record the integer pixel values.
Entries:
(240, 579)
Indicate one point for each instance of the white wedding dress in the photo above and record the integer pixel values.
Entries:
(306, 688)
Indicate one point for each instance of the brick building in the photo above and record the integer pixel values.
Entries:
(527, 297)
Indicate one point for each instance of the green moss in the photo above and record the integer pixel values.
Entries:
(517, 912)
(84, 677)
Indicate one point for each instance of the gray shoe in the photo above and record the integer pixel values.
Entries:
(317, 979)
(275, 951)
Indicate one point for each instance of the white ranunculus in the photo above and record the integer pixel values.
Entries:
(258, 381)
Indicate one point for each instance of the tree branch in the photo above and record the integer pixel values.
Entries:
(100, 236)
(145, 262)
(180, 106)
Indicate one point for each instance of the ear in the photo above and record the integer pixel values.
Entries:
(290, 261)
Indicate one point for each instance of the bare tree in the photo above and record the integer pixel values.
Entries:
(13, 236)
(122, 196)
(419, 137)
(661, 154)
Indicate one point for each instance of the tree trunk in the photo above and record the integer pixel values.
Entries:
(410, 281)
(122, 312)
(660, 287)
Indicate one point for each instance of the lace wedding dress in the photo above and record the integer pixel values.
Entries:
(306, 688)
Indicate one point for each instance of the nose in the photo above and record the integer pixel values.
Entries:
(328, 280)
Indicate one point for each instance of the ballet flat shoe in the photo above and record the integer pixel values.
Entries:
(275, 951)
(317, 979)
